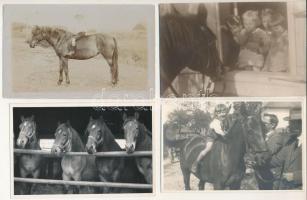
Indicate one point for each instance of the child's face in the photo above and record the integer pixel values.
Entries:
(221, 115)
(277, 30)
(266, 19)
(249, 24)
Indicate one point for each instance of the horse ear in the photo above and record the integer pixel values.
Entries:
(32, 118)
(59, 123)
(124, 116)
(101, 118)
(22, 118)
(68, 123)
(91, 118)
(136, 115)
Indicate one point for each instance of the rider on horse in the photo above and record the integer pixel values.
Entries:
(71, 49)
(218, 126)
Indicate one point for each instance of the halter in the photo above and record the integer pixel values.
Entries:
(30, 136)
(67, 143)
(97, 142)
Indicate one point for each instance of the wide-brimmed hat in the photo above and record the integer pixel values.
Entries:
(277, 19)
(294, 114)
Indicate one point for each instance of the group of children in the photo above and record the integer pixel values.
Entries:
(263, 40)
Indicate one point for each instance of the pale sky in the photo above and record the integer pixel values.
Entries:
(104, 18)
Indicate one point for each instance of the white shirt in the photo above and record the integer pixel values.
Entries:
(217, 127)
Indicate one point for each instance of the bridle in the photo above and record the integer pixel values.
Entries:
(30, 137)
(67, 144)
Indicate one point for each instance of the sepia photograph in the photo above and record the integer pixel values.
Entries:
(81, 150)
(75, 51)
(232, 145)
(232, 49)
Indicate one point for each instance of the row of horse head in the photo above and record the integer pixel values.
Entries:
(99, 139)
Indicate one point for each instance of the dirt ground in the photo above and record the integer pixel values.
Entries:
(37, 69)
(173, 179)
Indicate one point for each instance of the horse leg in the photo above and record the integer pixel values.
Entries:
(61, 72)
(201, 185)
(25, 186)
(67, 187)
(218, 186)
(113, 69)
(186, 178)
(103, 179)
(65, 66)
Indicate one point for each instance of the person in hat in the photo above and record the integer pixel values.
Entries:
(218, 127)
(288, 161)
(275, 139)
(277, 59)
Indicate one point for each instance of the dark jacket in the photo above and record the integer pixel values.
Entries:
(289, 160)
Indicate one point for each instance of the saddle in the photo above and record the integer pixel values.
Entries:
(76, 37)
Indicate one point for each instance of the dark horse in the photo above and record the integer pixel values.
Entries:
(224, 164)
(187, 41)
(77, 168)
(110, 169)
(138, 138)
(30, 165)
(86, 47)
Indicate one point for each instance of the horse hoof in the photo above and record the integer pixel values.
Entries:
(59, 82)
(67, 82)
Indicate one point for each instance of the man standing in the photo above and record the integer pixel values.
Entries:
(288, 161)
(275, 140)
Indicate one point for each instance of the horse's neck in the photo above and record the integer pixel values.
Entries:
(143, 141)
(109, 143)
(76, 143)
(55, 37)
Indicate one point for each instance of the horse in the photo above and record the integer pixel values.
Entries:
(224, 165)
(86, 47)
(138, 138)
(77, 168)
(187, 41)
(30, 165)
(110, 169)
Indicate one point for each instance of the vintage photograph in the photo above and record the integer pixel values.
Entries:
(82, 150)
(75, 51)
(232, 49)
(232, 145)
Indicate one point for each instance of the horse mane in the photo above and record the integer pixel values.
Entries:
(52, 31)
(109, 142)
(75, 139)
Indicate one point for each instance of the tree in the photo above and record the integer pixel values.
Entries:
(179, 118)
(200, 120)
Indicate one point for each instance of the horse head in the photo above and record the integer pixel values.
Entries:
(96, 130)
(131, 131)
(254, 132)
(27, 132)
(63, 138)
(37, 35)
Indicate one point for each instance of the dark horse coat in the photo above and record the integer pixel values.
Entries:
(224, 164)
(187, 41)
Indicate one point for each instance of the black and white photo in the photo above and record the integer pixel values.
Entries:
(231, 49)
(82, 150)
(237, 145)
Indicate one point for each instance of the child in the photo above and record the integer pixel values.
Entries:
(253, 41)
(220, 113)
(277, 59)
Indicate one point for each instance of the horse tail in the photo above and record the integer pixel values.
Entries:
(115, 58)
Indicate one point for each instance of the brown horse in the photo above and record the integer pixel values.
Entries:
(187, 41)
(224, 164)
(86, 47)
(116, 169)
(77, 168)
(29, 165)
(138, 139)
